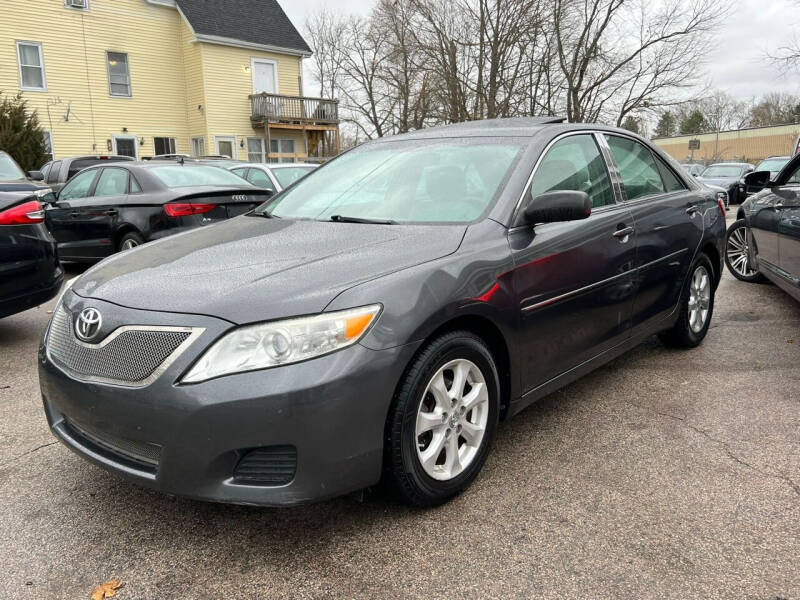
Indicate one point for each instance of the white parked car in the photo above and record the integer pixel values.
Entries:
(275, 177)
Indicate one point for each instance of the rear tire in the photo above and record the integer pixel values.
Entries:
(439, 431)
(130, 240)
(696, 307)
(737, 257)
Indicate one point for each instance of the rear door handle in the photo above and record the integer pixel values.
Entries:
(75, 213)
(623, 234)
(112, 212)
(692, 210)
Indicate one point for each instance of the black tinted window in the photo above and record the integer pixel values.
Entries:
(637, 167)
(574, 163)
(671, 181)
(52, 174)
(82, 163)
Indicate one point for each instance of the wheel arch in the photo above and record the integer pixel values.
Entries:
(710, 250)
(120, 232)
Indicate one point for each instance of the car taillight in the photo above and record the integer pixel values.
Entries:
(24, 214)
(184, 209)
(721, 204)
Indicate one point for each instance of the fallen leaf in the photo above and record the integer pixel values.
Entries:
(107, 589)
(790, 342)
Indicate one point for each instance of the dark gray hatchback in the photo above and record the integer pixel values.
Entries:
(375, 321)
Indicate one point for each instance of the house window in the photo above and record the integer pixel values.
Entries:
(282, 147)
(119, 79)
(31, 66)
(198, 146)
(255, 150)
(81, 4)
(48, 142)
(164, 145)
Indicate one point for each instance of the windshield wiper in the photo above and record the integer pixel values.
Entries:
(345, 219)
(265, 213)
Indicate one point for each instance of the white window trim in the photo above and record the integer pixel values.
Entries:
(166, 137)
(191, 142)
(274, 63)
(127, 68)
(114, 139)
(225, 138)
(68, 5)
(41, 60)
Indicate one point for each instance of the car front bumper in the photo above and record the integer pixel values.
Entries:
(330, 410)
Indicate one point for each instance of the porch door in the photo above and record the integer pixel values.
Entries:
(265, 76)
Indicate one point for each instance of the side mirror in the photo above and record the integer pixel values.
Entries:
(757, 181)
(35, 175)
(556, 206)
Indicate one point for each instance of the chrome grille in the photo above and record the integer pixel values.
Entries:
(139, 452)
(134, 356)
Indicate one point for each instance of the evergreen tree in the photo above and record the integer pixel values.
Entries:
(693, 123)
(21, 135)
(632, 124)
(667, 125)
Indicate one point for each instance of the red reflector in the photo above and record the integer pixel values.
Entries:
(184, 209)
(30, 212)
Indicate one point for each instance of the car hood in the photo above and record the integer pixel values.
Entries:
(724, 182)
(252, 269)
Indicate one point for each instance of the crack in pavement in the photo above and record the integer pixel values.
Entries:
(24, 454)
(723, 445)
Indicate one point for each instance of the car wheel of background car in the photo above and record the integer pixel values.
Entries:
(130, 240)
(737, 256)
(696, 308)
(442, 420)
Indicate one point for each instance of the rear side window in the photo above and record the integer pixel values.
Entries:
(135, 187)
(574, 163)
(260, 179)
(186, 176)
(112, 182)
(55, 170)
(671, 182)
(78, 186)
(637, 167)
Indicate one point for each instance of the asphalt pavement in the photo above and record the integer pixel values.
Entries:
(665, 474)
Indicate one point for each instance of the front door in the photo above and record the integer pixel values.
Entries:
(573, 280)
(789, 226)
(226, 145)
(125, 145)
(62, 218)
(669, 228)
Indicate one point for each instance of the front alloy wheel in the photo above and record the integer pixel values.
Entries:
(737, 254)
(442, 420)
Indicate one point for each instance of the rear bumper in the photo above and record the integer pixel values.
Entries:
(331, 410)
(33, 296)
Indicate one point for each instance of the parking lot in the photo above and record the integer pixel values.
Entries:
(664, 474)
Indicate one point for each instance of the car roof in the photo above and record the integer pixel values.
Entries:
(506, 127)
(97, 157)
(730, 164)
(776, 157)
(273, 165)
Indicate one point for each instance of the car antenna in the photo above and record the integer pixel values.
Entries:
(180, 160)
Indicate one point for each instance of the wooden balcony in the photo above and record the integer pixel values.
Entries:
(299, 110)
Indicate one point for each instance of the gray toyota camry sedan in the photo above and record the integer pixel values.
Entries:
(374, 322)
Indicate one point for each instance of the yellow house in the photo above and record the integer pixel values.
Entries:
(148, 77)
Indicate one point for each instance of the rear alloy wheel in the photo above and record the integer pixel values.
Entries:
(737, 254)
(442, 420)
(696, 309)
(130, 241)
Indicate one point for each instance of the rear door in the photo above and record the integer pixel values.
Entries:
(574, 280)
(668, 218)
(97, 215)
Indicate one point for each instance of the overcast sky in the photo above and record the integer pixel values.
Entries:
(737, 66)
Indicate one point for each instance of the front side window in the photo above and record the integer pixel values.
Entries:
(415, 181)
(574, 164)
(637, 167)
(794, 178)
(164, 145)
(112, 182)
(255, 150)
(723, 171)
(187, 176)
(78, 186)
(31, 66)
(119, 79)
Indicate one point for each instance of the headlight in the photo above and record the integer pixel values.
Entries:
(278, 343)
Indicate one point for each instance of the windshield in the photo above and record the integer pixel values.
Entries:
(417, 181)
(772, 164)
(286, 176)
(723, 171)
(176, 176)
(9, 169)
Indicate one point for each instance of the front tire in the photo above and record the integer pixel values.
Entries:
(737, 254)
(442, 420)
(696, 308)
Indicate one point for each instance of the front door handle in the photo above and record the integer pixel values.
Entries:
(112, 212)
(74, 213)
(692, 210)
(623, 234)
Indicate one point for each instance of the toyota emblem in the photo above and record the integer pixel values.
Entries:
(88, 324)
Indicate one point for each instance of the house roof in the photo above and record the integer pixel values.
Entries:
(256, 22)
